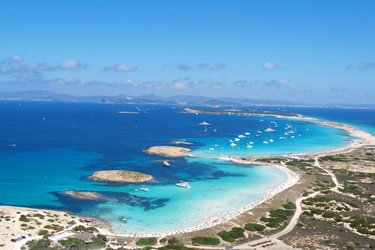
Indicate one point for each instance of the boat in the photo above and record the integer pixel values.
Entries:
(143, 188)
(282, 138)
(259, 132)
(257, 135)
(247, 133)
(211, 149)
(237, 139)
(241, 136)
(166, 164)
(204, 124)
(183, 184)
(292, 136)
(233, 144)
(249, 145)
(269, 130)
(265, 142)
(231, 141)
(270, 140)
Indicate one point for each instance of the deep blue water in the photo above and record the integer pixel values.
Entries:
(48, 148)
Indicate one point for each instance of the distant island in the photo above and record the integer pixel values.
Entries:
(241, 112)
(49, 96)
(120, 176)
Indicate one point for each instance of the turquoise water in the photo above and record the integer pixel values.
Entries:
(49, 148)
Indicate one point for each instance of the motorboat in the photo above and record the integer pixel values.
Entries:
(166, 164)
(183, 184)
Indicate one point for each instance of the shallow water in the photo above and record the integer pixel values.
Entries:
(48, 148)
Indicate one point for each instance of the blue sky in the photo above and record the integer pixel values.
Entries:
(312, 51)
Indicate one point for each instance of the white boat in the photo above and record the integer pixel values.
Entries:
(231, 141)
(211, 149)
(183, 184)
(143, 188)
(237, 139)
(292, 136)
(249, 146)
(251, 143)
(204, 124)
(247, 133)
(259, 132)
(269, 130)
(265, 142)
(241, 136)
(233, 144)
(282, 138)
(166, 164)
(270, 140)
(257, 135)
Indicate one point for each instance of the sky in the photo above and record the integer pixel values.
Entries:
(305, 51)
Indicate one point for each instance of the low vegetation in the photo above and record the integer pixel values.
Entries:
(201, 240)
(147, 241)
(232, 235)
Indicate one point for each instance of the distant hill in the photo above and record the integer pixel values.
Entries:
(188, 100)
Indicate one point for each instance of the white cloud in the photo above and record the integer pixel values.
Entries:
(211, 66)
(71, 64)
(270, 66)
(283, 82)
(179, 85)
(120, 68)
(16, 58)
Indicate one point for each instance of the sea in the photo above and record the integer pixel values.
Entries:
(47, 148)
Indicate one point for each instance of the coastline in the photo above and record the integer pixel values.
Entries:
(361, 138)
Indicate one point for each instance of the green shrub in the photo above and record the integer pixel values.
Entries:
(146, 241)
(289, 205)
(23, 218)
(226, 236)
(174, 241)
(254, 227)
(43, 232)
(201, 240)
(81, 228)
(329, 214)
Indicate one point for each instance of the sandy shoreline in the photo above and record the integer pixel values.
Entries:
(361, 138)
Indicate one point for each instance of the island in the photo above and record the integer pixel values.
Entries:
(168, 151)
(120, 176)
(83, 195)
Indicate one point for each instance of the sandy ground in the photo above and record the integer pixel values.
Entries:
(168, 151)
(11, 227)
